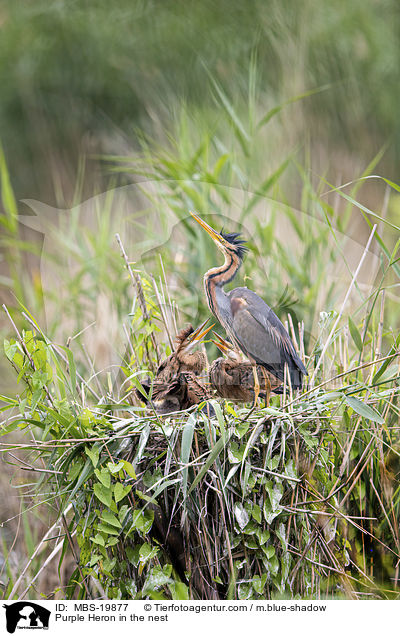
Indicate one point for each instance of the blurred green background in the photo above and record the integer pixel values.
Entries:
(248, 111)
(82, 76)
(122, 117)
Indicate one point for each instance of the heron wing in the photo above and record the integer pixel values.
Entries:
(262, 336)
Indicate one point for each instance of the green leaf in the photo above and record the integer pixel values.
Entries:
(273, 566)
(10, 349)
(129, 469)
(387, 362)
(238, 127)
(276, 109)
(115, 468)
(281, 534)
(121, 491)
(122, 512)
(93, 453)
(186, 446)
(146, 552)
(107, 529)
(75, 470)
(218, 448)
(142, 520)
(98, 539)
(264, 187)
(158, 577)
(355, 334)
(256, 513)
(271, 508)
(112, 541)
(250, 528)
(109, 565)
(103, 494)
(241, 515)
(259, 583)
(364, 409)
(7, 195)
(244, 591)
(262, 536)
(269, 551)
(219, 414)
(179, 591)
(111, 519)
(95, 559)
(103, 476)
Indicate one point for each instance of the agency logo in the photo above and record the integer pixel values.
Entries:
(26, 615)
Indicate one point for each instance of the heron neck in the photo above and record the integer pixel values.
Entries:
(214, 280)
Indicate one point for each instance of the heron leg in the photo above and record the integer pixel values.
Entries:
(256, 385)
(267, 386)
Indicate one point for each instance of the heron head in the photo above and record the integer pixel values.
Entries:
(228, 243)
(226, 347)
(188, 338)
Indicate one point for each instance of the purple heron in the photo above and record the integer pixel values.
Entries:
(249, 322)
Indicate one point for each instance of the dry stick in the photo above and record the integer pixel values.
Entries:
(349, 447)
(333, 491)
(75, 555)
(51, 556)
(378, 347)
(344, 576)
(130, 345)
(62, 442)
(135, 278)
(177, 319)
(327, 567)
(129, 340)
(93, 370)
(169, 297)
(296, 346)
(27, 466)
(342, 375)
(163, 314)
(343, 304)
(68, 534)
(356, 479)
(301, 340)
(386, 516)
(6, 558)
(35, 552)
(356, 525)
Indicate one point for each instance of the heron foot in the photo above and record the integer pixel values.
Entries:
(256, 385)
(267, 386)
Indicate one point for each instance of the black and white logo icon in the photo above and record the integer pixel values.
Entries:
(26, 615)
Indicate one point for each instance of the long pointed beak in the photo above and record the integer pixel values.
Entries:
(199, 333)
(221, 347)
(214, 235)
(223, 342)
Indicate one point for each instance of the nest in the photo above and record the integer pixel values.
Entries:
(219, 507)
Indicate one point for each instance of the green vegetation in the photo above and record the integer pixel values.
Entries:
(77, 77)
(298, 499)
(257, 131)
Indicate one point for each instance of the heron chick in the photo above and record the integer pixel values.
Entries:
(233, 379)
(177, 385)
